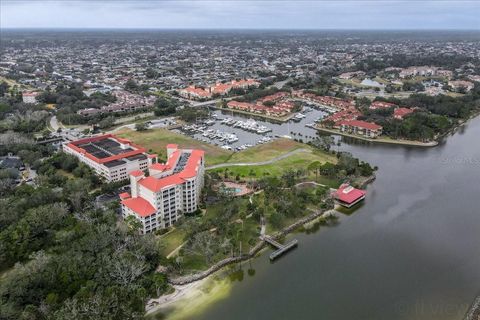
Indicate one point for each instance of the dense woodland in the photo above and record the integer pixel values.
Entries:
(433, 116)
(62, 258)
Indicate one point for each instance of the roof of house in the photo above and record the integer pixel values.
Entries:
(349, 194)
(140, 206)
(361, 124)
(381, 104)
(401, 112)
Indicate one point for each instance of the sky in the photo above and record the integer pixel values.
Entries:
(221, 14)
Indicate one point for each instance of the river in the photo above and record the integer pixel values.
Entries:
(412, 251)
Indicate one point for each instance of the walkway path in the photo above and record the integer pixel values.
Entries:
(55, 124)
(260, 163)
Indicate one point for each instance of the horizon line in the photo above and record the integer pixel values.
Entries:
(238, 28)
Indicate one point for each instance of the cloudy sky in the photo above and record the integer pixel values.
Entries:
(284, 14)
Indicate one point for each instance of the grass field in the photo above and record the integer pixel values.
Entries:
(171, 241)
(156, 141)
(295, 161)
(267, 151)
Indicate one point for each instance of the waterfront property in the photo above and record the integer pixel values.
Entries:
(348, 196)
(221, 89)
(171, 189)
(362, 128)
(111, 157)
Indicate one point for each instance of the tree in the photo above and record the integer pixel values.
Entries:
(107, 122)
(141, 126)
(315, 167)
(134, 226)
(131, 85)
(165, 106)
(3, 88)
(150, 73)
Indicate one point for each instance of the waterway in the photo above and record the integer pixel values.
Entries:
(412, 251)
(294, 129)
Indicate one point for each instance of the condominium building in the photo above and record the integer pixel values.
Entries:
(193, 92)
(30, 97)
(111, 157)
(171, 189)
(362, 128)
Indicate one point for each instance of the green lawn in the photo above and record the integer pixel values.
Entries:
(293, 162)
(156, 140)
(266, 151)
(171, 241)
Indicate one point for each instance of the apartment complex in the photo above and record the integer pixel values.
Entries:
(193, 92)
(126, 102)
(111, 157)
(362, 128)
(30, 97)
(170, 190)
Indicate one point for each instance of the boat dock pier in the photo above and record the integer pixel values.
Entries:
(281, 249)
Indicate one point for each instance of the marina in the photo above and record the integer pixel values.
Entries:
(235, 131)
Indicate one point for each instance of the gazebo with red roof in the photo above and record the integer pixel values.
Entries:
(348, 196)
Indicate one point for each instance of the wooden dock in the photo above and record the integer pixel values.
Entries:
(281, 249)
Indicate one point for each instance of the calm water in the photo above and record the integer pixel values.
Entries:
(411, 252)
(290, 128)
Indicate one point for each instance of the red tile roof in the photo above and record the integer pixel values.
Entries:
(155, 184)
(381, 105)
(75, 146)
(361, 124)
(189, 171)
(159, 167)
(124, 195)
(349, 194)
(191, 167)
(137, 173)
(140, 206)
(399, 113)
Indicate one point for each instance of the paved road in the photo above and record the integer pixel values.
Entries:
(54, 124)
(260, 163)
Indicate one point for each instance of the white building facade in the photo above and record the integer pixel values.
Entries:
(110, 157)
(170, 190)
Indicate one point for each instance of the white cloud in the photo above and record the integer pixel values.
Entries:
(241, 14)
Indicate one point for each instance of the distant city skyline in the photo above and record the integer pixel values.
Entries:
(241, 14)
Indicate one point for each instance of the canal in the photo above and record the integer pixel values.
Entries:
(412, 251)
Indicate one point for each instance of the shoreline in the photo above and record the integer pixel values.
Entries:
(186, 286)
(411, 143)
(284, 119)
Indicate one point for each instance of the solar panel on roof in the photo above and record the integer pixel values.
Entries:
(114, 163)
